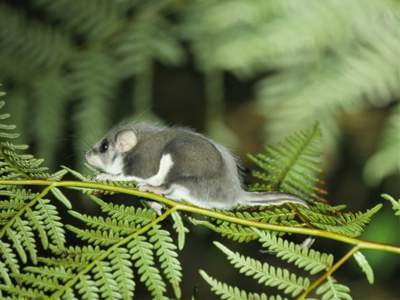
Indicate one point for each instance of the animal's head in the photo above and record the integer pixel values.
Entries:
(108, 153)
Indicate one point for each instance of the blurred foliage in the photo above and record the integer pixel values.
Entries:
(311, 61)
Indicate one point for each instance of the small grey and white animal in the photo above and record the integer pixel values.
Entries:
(179, 164)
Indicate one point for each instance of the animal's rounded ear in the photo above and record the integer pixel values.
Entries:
(125, 141)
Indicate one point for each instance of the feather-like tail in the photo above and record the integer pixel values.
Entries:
(270, 198)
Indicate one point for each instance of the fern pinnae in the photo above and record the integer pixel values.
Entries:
(81, 253)
(282, 164)
(350, 224)
(282, 279)
(122, 227)
(36, 219)
(38, 282)
(228, 292)
(105, 280)
(180, 228)
(72, 263)
(19, 292)
(331, 290)
(282, 216)
(365, 266)
(229, 230)
(9, 257)
(59, 272)
(87, 288)
(166, 252)
(143, 254)
(61, 197)
(25, 234)
(97, 237)
(69, 295)
(122, 268)
(4, 273)
(51, 221)
(91, 19)
(308, 259)
(395, 203)
(138, 215)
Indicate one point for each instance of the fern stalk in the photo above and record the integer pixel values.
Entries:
(177, 206)
(324, 276)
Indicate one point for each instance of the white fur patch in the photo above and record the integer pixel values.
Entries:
(158, 179)
(118, 177)
(178, 193)
(115, 167)
(94, 160)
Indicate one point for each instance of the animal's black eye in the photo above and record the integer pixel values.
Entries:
(103, 146)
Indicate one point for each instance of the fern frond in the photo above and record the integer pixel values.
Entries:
(83, 253)
(38, 282)
(395, 203)
(327, 59)
(105, 280)
(13, 164)
(98, 222)
(4, 274)
(59, 272)
(13, 201)
(97, 237)
(26, 239)
(18, 292)
(142, 252)
(9, 257)
(59, 195)
(331, 290)
(228, 292)
(292, 166)
(14, 238)
(264, 273)
(305, 258)
(351, 224)
(280, 215)
(136, 215)
(37, 224)
(50, 219)
(93, 19)
(365, 266)
(150, 38)
(69, 295)
(180, 229)
(87, 288)
(122, 269)
(38, 45)
(231, 231)
(166, 252)
(385, 161)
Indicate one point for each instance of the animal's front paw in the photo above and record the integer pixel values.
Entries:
(104, 177)
(144, 187)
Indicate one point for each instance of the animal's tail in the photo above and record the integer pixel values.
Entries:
(270, 198)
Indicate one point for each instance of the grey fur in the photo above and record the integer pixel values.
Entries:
(207, 170)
